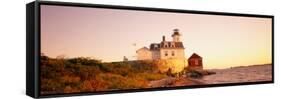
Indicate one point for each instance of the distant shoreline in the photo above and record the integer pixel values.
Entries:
(236, 66)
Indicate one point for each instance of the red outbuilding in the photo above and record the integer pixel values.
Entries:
(195, 62)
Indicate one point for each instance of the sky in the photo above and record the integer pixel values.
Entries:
(110, 34)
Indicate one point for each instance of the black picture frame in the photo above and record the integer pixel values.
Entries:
(33, 46)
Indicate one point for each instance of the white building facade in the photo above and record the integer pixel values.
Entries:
(163, 50)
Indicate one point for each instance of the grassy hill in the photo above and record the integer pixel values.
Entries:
(88, 75)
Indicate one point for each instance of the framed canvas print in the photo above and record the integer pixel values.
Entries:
(85, 49)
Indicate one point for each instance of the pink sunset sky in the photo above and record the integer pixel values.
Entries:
(110, 34)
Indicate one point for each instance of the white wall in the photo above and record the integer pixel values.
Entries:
(144, 54)
(178, 53)
(12, 51)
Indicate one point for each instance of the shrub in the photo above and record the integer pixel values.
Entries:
(85, 61)
(93, 85)
(152, 76)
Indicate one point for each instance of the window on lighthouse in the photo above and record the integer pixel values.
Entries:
(172, 44)
(166, 53)
(173, 53)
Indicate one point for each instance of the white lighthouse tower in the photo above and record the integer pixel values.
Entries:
(176, 35)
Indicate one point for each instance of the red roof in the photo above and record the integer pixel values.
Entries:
(194, 55)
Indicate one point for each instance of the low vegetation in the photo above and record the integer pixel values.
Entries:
(88, 75)
(74, 75)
